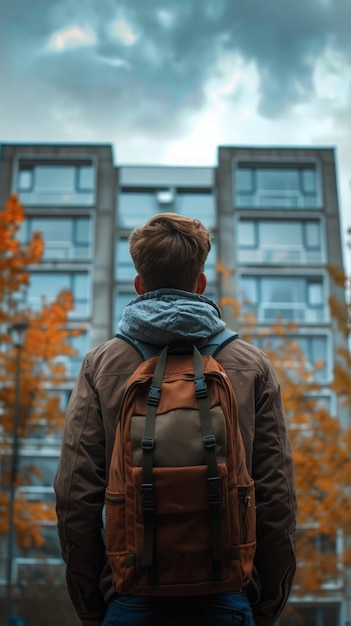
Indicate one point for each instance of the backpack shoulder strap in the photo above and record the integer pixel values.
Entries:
(145, 350)
(212, 347)
(218, 341)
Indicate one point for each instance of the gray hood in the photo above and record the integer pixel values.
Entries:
(166, 315)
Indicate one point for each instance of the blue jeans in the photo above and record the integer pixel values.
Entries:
(222, 609)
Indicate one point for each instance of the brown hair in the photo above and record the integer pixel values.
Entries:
(170, 251)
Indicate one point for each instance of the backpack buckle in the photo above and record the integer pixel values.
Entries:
(148, 497)
(209, 441)
(153, 398)
(200, 388)
(213, 492)
(147, 443)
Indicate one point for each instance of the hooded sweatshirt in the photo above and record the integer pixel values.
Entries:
(169, 315)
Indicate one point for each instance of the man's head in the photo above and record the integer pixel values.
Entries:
(170, 251)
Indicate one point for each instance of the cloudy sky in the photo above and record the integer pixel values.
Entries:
(167, 81)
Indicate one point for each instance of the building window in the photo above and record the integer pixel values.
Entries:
(48, 550)
(280, 241)
(124, 267)
(122, 298)
(200, 206)
(40, 492)
(80, 343)
(285, 298)
(134, 208)
(315, 350)
(52, 183)
(45, 286)
(39, 469)
(64, 238)
(276, 186)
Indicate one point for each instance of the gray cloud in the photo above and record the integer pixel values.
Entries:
(148, 86)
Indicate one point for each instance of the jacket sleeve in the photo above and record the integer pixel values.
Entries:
(272, 469)
(80, 488)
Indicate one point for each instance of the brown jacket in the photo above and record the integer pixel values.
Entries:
(86, 451)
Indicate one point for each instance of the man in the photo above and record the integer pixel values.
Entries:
(169, 254)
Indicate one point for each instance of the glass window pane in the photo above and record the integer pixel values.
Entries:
(54, 177)
(315, 293)
(310, 201)
(49, 549)
(210, 265)
(199, 206)
(86, 178)
(124, 265)
(25, 180)
(283, 289)
(44, 287)
(313, 234)
(278, 201)
(250, 289)
(134, 209)
(309, 180)
(38, 470)
(64, 238)
(315, 349)
(244, 179)
(280, 179)
(81, 344)
(318, 348)
(53, 229)
(81, 285)
(280, 233)
(121, 301)
(247, 234)
(83, 230)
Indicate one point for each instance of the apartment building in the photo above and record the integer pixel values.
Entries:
(275, 220)
(278, 225)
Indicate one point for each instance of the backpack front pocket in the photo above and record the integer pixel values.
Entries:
(115, 507)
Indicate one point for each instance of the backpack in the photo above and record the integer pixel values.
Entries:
(180, 503)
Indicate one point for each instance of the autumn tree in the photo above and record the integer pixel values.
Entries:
(47, 339)
(321, 441)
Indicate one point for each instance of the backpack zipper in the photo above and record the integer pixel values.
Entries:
(245, 500)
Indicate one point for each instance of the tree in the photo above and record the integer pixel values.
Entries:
(342, 315)
(48, 338)
(321, 444)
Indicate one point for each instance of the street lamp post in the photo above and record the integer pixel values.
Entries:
(18, 332)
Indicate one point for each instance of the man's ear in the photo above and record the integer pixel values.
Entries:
(138, 286)
(201, 284)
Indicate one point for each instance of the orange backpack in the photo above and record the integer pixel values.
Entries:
(180, 505)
